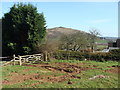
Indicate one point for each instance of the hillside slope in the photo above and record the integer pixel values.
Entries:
(57, 32)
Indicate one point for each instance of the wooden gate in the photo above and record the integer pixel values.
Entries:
(27, 58)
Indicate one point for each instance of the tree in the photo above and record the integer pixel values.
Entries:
(80, 41)
(66, 42)
(23, 29)
(92, 37)
(74, 42)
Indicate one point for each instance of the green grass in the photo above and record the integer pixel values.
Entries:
(14, 69)
(110, 82)
(101, 41)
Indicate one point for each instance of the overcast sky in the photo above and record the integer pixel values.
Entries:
(84, 16)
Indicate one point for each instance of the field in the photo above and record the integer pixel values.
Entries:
(62, 74)
(102, 44)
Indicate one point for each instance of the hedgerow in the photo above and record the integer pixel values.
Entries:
(97, 56)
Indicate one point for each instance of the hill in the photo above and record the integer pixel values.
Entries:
(57, 32)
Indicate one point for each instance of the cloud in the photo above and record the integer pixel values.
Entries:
(99, 21)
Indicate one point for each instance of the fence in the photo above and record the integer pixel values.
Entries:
(27, 58)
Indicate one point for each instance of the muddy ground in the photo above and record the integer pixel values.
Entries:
(69, 71)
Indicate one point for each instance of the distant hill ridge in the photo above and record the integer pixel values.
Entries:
(113, 39)
(57, 32)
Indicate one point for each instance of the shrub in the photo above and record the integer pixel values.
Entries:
(76, 55)
(115, 54)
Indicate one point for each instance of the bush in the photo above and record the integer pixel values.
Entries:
(76, 55)
(115, 51)
(70, 55)
(115, 54)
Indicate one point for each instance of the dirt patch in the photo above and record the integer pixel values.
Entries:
(113, 70)
(26, 70)
(58, 79)
(52, 79)
(17, 78)
(37, 65)
(65, 68)
(70, 70)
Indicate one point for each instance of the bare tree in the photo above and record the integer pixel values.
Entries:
(48, 47)
(74, 42)
(94, 33)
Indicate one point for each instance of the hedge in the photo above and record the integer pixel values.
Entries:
(98, 56)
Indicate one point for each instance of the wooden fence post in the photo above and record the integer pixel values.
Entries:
(20, 61)
(45, 56)
(13, 59)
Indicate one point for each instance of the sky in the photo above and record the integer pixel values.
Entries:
(102, 16)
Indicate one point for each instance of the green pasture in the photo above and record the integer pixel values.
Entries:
(84, 82)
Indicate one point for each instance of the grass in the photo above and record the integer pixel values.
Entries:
(101, 47)
(101, 41)
(83, 82)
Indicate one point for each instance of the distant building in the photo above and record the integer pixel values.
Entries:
(118, 43)
(112, 45)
